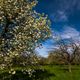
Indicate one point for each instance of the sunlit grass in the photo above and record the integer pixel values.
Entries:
(60, 72)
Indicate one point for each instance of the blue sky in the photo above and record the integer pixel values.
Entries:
(65, 19)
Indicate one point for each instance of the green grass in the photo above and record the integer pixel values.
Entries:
(56, 72)
(61, 72)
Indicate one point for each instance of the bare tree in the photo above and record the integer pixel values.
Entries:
(68, 51)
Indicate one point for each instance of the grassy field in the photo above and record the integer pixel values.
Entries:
(56, 72)
(61, 72)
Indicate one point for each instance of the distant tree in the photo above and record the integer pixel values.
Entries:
(54, 58)
(42, 60)
(21, 28)
(67, 52)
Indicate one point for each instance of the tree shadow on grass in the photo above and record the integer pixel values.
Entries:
(37, 74)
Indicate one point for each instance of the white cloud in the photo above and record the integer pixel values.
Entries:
(42, 51)
(67, 33)
(46, 47)
(70, 32)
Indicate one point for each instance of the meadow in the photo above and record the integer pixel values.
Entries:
(60, 72)
(52, 72)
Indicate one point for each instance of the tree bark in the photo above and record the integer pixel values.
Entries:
(69, 67)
